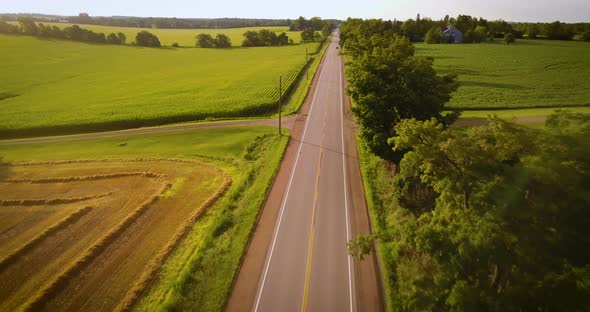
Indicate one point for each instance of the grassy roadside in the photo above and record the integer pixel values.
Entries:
(376, 183)
(302, 85)
(200, 272)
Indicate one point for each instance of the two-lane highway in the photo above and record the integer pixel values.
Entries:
(307, 267)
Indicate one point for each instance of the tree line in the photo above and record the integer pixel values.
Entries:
(477, 30)
(153, 22)
(490, 218)
(27, 26)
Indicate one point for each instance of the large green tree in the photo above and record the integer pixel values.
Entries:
(389, 83)
(510, 230)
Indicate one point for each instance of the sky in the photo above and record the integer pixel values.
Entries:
(509, 10)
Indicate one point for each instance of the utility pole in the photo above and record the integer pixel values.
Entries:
(306, 66)
(280, 100)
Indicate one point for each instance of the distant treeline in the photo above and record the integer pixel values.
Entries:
(26, 26)
(315, 23)
(154, 22)
(474, 29)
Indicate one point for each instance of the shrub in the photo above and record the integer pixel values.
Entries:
(434, 35)
(147, 39)
(508, 38)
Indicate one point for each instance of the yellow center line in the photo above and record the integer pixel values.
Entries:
(311, 231)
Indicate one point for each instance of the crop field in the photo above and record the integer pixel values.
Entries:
(131, 222)
(70, 230)
(55, 87)
(527, 74)
(184, 37)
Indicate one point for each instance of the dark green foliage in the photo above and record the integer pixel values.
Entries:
(222, 41)
(434, 35)
(308, 35)
(557, 31)
(510, 228)
(122, 38)
(264, 37)
(389, 83)
(314, 23)
(6, 28)
(508, 38)
(147, 39)
(205, 41)
(27, 26)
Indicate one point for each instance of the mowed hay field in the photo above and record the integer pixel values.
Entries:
(527, 74)
(184, 37)
(122, 217)
(55, 87)
(131, 222)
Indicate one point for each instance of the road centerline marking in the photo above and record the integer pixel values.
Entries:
(286, 196)
(312, 223)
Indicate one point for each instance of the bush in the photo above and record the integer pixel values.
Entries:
(508, 38)
(308, 35)
(434, 35)
(264, 37)
(205, 41)
(147, 39)
(222, 41)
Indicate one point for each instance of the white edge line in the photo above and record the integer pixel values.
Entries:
(350, 295)
(276, 233)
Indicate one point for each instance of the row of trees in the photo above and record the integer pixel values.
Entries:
(153, 22)
(221, 41)
(478, 29)
(27, 26)
(264, 37)
(491, 218)
(388, 83)
(480, 34)
(75, 32)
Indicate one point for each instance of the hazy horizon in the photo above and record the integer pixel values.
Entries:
(523, 11)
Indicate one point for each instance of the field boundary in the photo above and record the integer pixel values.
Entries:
(144, 282)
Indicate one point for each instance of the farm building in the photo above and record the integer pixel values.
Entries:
(452, 35)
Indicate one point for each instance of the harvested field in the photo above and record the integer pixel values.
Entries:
(95, 232)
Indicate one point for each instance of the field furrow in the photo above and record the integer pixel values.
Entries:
(89, 260)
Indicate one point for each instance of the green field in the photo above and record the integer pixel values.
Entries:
(54, 86)
(184, 37)
(527, 74)
(200, 271)
(521, 113)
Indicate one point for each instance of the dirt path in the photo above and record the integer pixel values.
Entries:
(287, 122)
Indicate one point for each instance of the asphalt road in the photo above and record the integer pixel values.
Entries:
(307, 267)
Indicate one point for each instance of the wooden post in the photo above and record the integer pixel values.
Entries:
(280, 100)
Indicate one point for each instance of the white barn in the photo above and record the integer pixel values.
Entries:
(452, 35)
